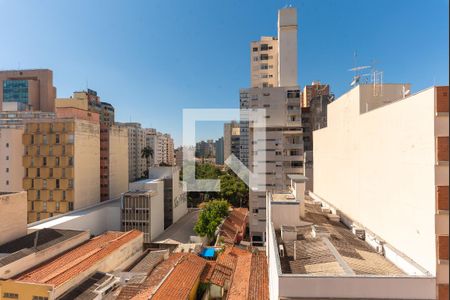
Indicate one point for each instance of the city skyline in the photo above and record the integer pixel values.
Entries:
(128, 53)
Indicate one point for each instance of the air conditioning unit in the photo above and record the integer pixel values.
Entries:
(281, 249)
(359, 232)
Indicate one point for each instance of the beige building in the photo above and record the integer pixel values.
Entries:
(142, 208)
(11, 147)
(13, 216)
(383, 162)
(109, 252)
(283, 142)
(113, 140)
(231, 139)
(33, 89)
(162, 146)
(117, 161)
(61, 161)
(264, 62)
(136, 142)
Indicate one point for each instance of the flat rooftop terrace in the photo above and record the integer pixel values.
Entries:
(333, 251)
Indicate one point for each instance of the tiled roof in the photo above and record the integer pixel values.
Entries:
(142, 291)
(182, 279)
(241, 278)
(85, 290)
(23, 246)
(338, 254)
(233, 225)
(68, 265)
(259, 278)
(208, 271)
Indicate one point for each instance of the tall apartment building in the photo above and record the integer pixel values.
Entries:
(231, 139)
(27, 90)
(219, 151)
(12, 126)
(136, 142)
(382, 163)
(283, 144)
(313, 90)
(61, 160)
(264, 62)
(113, 140)
(205, 149)
(162, 145)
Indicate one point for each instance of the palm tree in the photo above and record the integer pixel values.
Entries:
(146, 153)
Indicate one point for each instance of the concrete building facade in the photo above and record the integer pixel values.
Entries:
(61, 160)
(283, 143)
(11, 148)
(383, 157)
(13, 216)
(136, 142)
(32, 88)
(231, 139)
(264, 62)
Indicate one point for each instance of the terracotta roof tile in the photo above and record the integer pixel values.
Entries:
(182, 279)
(259, 278)
(68, 265)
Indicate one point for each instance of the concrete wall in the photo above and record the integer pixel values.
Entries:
(97, 219)
(118, 161)
(157, 211)
(11, 168)
(13, 216)
(378, 168)
(287, 47)
(86, 164)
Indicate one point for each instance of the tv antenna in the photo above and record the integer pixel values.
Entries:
(374, 77)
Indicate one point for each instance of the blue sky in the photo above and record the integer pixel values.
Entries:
(151, 59)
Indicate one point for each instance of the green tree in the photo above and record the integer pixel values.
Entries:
(234, 190)
(146, 153)
(210, 217)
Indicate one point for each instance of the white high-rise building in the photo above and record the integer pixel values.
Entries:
(279, 95)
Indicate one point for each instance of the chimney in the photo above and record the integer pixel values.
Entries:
(298, 187)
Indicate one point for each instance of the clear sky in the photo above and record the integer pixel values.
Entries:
(153, 58)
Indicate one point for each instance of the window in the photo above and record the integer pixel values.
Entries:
(64, 195)
(7, 145)
(32, 139)
(70, 139)
(57, 183)
(264, 57)
(40, 298)
(7, 170)
(57, 206)
(57, 161)
(38, 195)
(57, 140)
(11, 295)
(71, 161)
(50, 195)
(7, 157)
(70, 183)
(7, 182)
(264, 47)
(44, 183)
(45, 139)
(38, 172)
(70, 205)
(51, 172)
(44, 205)
(255, 49)
(15, 91)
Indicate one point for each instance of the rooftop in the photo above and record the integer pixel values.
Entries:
(282, 197)
(334, 251)
(86, 290)
(33, 242)
(65, 267)
(234, 226)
